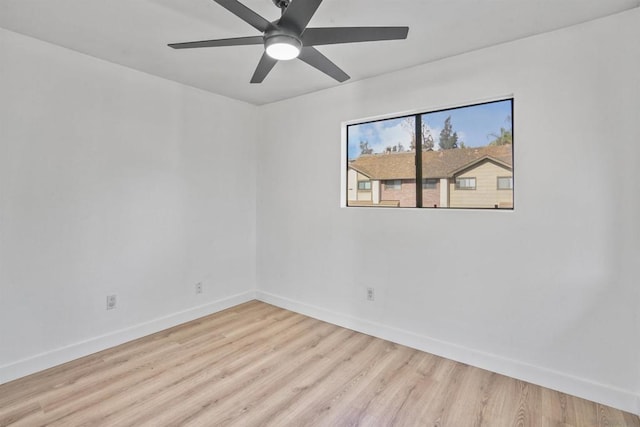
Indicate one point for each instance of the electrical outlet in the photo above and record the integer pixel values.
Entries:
(371, 294)
(111, 302)
(199, 288)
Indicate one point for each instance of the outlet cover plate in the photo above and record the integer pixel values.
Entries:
(111, 302)
(371, 294)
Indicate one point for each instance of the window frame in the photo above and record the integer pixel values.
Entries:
(364, 182)
(417, 115)
(458, 187)
(425, 185)
(394, 188)
(510, 188)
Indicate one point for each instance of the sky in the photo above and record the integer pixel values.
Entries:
(473, 125)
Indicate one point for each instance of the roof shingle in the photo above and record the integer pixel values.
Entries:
(435, 164)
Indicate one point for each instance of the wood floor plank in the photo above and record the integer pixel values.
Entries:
(259, 365)
(310, 365)
(340, 388)
(230, 379)
(151, 377)
(27, 412)
(308, 397)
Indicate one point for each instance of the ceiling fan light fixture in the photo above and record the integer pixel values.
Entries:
(283, 47)
(286, 38)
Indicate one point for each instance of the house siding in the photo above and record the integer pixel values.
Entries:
(486, 194)
(431, 196)
(353, 193)
(406, 195)
(352, 185)
(485, 164)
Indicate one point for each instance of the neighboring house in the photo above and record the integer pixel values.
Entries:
(479, 177)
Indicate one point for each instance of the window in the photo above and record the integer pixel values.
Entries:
(505, 183)
(429, 184)
(393, 184)
(364, 185)
(463, 148)
(465, 183)
(382, 152)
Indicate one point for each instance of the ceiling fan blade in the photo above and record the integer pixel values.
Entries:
(313, 57)
(264, 66)
(335, 35)
(246, 14)
(238, 41)
(298, 14)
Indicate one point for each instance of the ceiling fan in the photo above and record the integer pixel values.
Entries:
(289, 38)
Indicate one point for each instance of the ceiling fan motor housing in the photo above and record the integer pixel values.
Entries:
(280, 38)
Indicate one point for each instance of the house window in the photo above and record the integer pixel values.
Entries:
(393, 184)
(465, 183)
(469, 147)
(505, 183)
(364, 185)
(429, 184)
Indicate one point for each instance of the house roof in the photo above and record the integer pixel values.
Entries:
(435, 164)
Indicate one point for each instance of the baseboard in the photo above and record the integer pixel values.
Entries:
(74, 351)
(607, 395)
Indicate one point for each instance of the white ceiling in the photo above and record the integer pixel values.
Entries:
(135, 33)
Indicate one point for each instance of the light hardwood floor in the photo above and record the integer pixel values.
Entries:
(258, 365)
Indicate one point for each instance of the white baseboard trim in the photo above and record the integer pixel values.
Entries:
(611, 396)
(74, 351)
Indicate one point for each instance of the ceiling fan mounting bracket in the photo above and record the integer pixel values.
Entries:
(282, 4)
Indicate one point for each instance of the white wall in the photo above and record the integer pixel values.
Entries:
(114, 182)
(549, 292)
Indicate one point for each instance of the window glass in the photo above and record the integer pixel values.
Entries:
(429, 184)
(505, 183)
(364, 185)
(455, 150)
(465, 183)
(393, 184)
(382, 153)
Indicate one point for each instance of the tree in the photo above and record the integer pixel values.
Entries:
(505, 137)
(364, 148)
(448, 137)
(427, 139)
